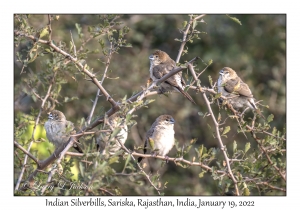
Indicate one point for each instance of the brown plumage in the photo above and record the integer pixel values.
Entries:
(58, 129)
(104, 140)
(238, 93)
(160, 65)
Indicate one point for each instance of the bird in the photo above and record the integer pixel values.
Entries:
(160, 137)
(235, 90)
(58, 129)
(160, 65)
(104, 140)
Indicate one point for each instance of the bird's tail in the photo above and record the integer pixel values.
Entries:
(257, 110)
(77, 147)
(187, 95)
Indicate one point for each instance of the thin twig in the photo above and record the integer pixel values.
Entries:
(75, 61)
(185, 34)
(49, 28)
(103, 77)
(75, 52)
(270, 134)
(104, 190)
(271, 186)
(266, 154)
(223, 148)
(33, 132)
(132, 157)
(26, 152)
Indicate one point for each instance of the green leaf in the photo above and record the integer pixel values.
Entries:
(114, 133)
(67, 99)
(247, 147)
(151, 142)
(234, 146)
(81, 169)
(200, 149)
(127, 45)
(218, 95)
(79, 29)
(246, 191)
(235, 19)
(114, 159)
(210, 80)
(48, 50)
(270, 118)
(194, 24)
(226, 130)
(44, 32)
(201, 174)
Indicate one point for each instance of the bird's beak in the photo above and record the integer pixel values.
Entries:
(221, 73)
(172, 121)
(151, 57)
(50, 116)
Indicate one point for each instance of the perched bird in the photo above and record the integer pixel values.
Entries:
(160, 137)
(104, 140)
(160, 65)
(237, 92)
(58, 129)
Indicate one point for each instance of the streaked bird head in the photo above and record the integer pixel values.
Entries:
(158, 57)
(117, 119)
(227, 73)
(56, 115)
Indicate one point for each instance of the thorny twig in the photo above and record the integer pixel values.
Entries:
(223, 148)
(33, 132)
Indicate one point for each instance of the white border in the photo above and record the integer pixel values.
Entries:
(153, 6)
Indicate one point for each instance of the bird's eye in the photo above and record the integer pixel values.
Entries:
(156, 56)
(50, 116)
(226, 72)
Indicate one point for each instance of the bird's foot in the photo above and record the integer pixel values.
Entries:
(167, 159)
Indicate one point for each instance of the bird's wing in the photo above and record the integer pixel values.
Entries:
(69, 126)
(70, 129)
(148, 137)
(244, 90)
(230, 85)
(101, 140)
(161, 70)
(237, 86)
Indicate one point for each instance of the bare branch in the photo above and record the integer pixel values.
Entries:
(271, 186)
(49, 28)
(222, 147)
(26, 152)
(185, 34)
(103, 77)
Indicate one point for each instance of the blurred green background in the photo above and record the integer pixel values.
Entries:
(256, 50)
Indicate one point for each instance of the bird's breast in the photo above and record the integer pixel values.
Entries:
(151, 72)
(163, 137)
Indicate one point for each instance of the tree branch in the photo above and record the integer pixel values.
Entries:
(185, 34)
(222, 147)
